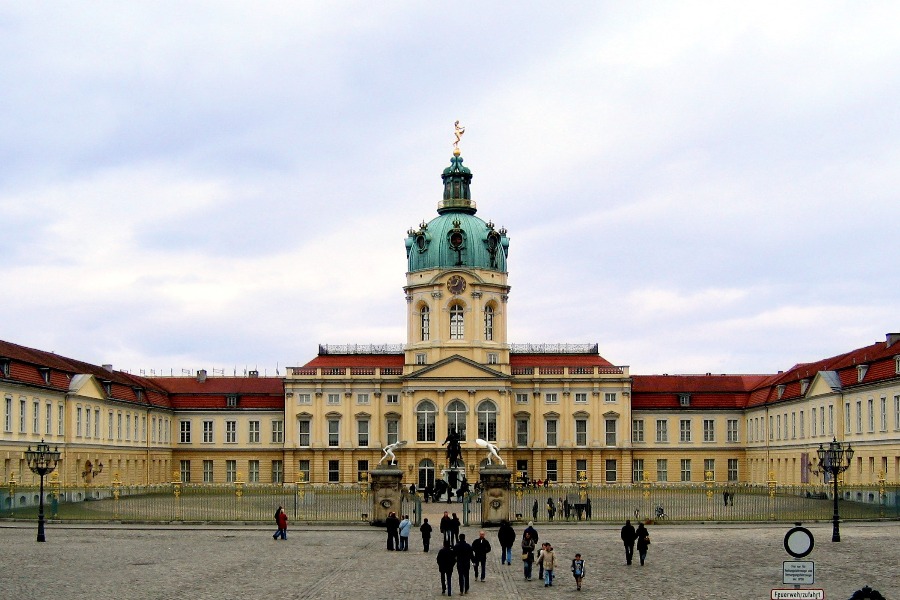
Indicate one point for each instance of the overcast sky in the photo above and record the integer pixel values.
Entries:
(697, 187)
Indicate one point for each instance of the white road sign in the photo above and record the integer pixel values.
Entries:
(799, 572)
(798, 594)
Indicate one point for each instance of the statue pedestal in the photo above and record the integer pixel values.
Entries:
(495, 497)
(386, 492)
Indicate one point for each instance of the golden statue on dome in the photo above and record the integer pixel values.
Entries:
(458, 132)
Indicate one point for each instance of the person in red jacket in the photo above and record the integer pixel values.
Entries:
(281, 521)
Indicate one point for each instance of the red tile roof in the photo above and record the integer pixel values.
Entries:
(357, 360)
(558, 360)
(706, 391)
(254, 393)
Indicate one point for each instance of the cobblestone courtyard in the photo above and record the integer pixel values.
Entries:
(219, 562)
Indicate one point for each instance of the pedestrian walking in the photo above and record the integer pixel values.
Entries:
(426, 534)
(404, 529)
(643, 542)
(507, 537)
(392, 523)
(578, 570)
(528, 554)
(551, 508)
(454, 529)
(539, 559)
(532, 531)
(464, 557)
(549, 562)
(628, 536)
(446, 559)
(446, 526)
(281, 522)
(480, 549)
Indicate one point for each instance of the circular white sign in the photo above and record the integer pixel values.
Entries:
(799, 542)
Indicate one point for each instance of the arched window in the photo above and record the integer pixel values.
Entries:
(456, 418)
(487, 421)
(488, 323)
(426, 324)
(425, 413)
(426, 474)
(456, 322)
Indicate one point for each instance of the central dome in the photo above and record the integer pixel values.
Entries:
(456, 237)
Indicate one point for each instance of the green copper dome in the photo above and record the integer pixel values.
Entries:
(456, 237)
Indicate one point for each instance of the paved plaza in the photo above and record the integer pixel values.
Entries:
(221, 562)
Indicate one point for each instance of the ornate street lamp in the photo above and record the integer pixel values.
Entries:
(42, 461)
(835, 459)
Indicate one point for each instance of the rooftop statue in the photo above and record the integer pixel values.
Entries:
(492, 451)
(389, 451)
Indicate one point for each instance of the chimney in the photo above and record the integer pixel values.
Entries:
(201, 375)
(892, 338)
(108, 368)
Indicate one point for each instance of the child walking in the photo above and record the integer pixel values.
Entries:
(578, 570)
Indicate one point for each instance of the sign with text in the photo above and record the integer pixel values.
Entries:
(798, 594)
(799, 572)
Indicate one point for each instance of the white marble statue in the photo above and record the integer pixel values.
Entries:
(389, 451)
(492, 451)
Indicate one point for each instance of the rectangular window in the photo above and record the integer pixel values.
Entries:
(393, 431)
(207, 471)
(793, 426)
(552, 470)
(813, 422)
(362, 398)
(637, 430)
(580, 398)
(859, 416)
(36, 418)
(883, 414)
(847, 426)
(709, 430)
(551, 398)
(393, 399)
(897, 412)
(96, 421)
(581, 432)
(231, 432)
(185, 471)
(831, 419)
(522, 433)
(609, 397)
(778, 428)
(521, 398)
(362, 433)
(127, 427)
(303, 429)
(303, 469)
(230, 471)
(334, 471)
(662, 469)
(731, 430)
(611, 471)
(87, 422)
(208, 432)
(277, 471)
(334, 398)
(421, 358)
(610, 432)
(77, 420)
(869, 406)
(637, 470)
(253, 432)
(60, 419)
(362, 471)
(493, 358)
(732, 469)
(685, 469)
(551, 431)
(277, 431)
(709, 468)
(522, 467)
(334, 429)
(49, 418)
(22, 410)
(685, 430)
(304, 398)
(802, 424)
(185, 431)
(662, 430)
(109, 425)
(771, 428)
(253, 471)
(8, 427)
(581, 468)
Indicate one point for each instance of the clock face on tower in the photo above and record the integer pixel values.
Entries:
(456, 284)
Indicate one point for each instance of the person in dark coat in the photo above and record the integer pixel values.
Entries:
(643, 541)
(426, 534)
(551, 508)
(527, 554)
(454, 528)
(628, 536)
(507, 537)
(534, 510)
(446, 559)
(446, 526)
(480, 549)
(464, 557)
(393, 531)
(532, 532)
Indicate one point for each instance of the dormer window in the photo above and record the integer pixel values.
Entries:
(107, 387)
(779, 390)
(231, 401)
(804, 385)
(45, 374)
(4, 367)
(684, 399)
(897, 364)
(861, 372)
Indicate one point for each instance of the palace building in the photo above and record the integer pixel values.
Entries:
(554, 410)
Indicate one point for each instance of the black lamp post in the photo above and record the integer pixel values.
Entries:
(835, 459)
(42, 461)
